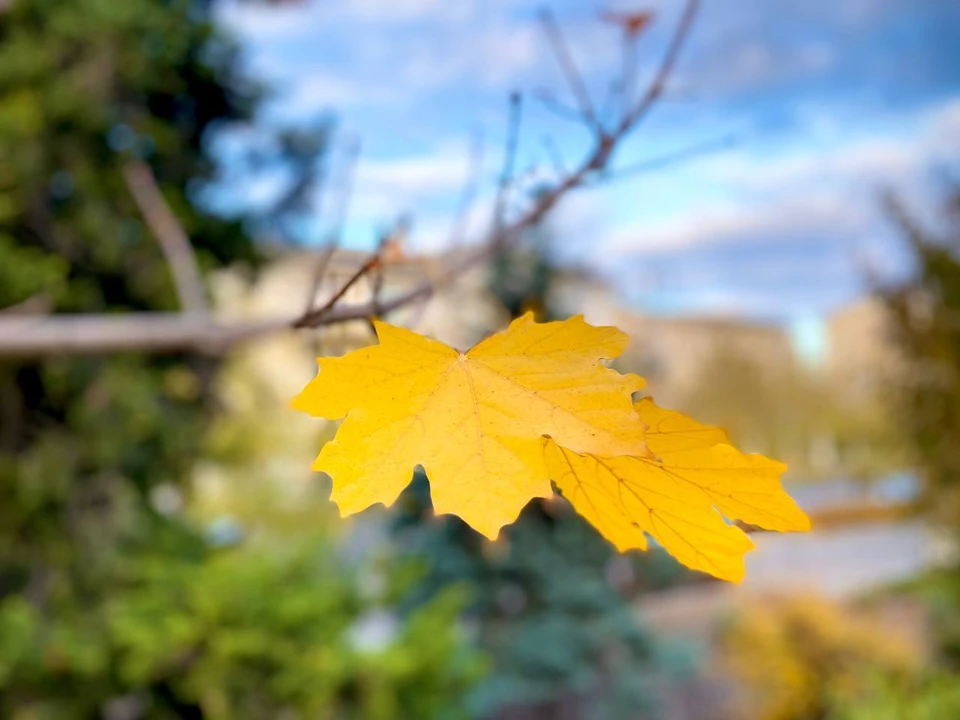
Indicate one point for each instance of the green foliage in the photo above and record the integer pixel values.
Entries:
(559, 634)
(113, 604)
(924, 311)
(243, 633)
(84, 87)
(933, 697)
(940, 593)
(799, 657)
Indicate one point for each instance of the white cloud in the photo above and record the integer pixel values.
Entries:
(497, 54)
(405, 48)
(416, 175)
(829, 191)
(322, 92)
(944, 126)
(810, 215)
(386, 188)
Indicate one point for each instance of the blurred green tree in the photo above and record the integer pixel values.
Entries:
(113, 601)
(924, 312)
(932, 696)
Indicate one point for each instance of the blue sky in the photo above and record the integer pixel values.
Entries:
(829, 101)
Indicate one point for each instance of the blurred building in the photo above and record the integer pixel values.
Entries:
(674, 352)
(861, 356)
(458, 313)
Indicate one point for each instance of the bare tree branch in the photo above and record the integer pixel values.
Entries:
(22, 337)
(169, 234)
(559, 109)
(569, 68)
(341, 211)
(65, 334)
(655, 88)
(631, 25)
(311, 318)
(659, 162)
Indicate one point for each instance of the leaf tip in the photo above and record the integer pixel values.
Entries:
(299, 402)
(736, 576)
(804, 523)
(380, 328)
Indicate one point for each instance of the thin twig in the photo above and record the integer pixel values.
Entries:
(340, 219)
(313, 317)
(520, 180)
(571, 73)
(630, 62)
(656, 87)
(170, 235)
(659, 162)
(514, 119)
(632, 25)
(22, 337)
(559, 109)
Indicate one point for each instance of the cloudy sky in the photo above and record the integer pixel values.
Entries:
(827, 101)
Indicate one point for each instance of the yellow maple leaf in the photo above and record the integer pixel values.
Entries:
(678, 496)
(473, 420)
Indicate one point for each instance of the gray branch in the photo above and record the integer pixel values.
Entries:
(31, 337)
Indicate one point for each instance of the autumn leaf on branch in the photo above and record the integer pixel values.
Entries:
(494, 426)
(680, 497)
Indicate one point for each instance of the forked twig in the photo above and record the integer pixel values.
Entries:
(655, 88)
(568, 66)
(559, 109)
(340, 218)
(659, 162)
(158, 332)
(313, 318)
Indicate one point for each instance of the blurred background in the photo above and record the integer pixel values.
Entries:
(779, 238)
